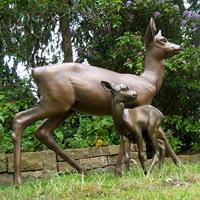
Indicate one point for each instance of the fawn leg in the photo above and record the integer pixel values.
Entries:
(127, 149)
(162, 151)
(140, 144)
(120, 156)
(169, 149)
(153, 137)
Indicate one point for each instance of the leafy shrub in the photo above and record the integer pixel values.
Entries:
(179, 98)
(91, 129)
(183, 133)
(11, 102)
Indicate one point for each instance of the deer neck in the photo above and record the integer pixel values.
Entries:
(118, 113)
(154, 69)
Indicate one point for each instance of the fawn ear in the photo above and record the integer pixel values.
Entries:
(106, 85)
(150, 32)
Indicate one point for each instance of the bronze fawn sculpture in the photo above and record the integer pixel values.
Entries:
(133, 122)
(70, 87)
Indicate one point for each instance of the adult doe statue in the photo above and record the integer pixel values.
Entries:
(70, 87)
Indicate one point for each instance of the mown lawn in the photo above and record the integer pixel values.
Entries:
(169, 183)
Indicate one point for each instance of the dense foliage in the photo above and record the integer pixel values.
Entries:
(110, 35)
(179, 99)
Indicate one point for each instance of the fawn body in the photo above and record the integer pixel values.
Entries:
(133, 122)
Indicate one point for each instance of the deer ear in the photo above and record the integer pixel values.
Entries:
(159, 34)
(150, 32)
(106, 85)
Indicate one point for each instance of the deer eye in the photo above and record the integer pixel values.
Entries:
(124, 88)
(163, 40)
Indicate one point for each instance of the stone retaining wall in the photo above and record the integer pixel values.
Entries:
(37, 164)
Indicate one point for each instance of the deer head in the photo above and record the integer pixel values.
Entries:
(120, 93)
(157, 44)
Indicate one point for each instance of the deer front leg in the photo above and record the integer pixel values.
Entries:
(45, 134)
(169, 149)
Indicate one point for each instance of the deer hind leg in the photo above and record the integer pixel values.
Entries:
(162, 151)
(21, 121)
(45, 134)
(153, 135)
(168, 147)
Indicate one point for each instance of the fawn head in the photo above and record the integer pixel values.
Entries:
(120, 93)
(158, 44)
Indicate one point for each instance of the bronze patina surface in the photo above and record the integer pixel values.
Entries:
(133, 123)
(71, 87)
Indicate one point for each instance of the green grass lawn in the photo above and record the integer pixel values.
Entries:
(169, 183)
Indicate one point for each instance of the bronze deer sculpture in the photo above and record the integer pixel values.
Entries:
(131, 123)
(70, 87)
